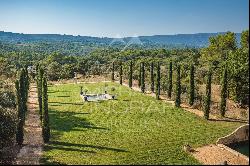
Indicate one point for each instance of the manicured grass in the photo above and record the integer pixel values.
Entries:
(134, 129)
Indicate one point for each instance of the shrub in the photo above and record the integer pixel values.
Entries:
(8, 122)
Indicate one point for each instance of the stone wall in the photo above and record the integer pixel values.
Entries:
(240, 134)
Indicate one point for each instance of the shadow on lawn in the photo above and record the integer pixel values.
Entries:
(71, 121)
(73, 147)
(66, 103)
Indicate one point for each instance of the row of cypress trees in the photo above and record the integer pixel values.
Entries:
(207, 98)
(42, 89)
(22, 90)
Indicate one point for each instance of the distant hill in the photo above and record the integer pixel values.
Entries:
(179, 40)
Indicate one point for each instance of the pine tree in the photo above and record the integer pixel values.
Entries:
(152, 77)
(20, 124)
(207, 99)
(223, 103)
(170, 80)
(158, 81)
(178, 87)
(45, 121)
(113, 72)
(142, 77)
(192, 86)
(131, 74)
(121, 73)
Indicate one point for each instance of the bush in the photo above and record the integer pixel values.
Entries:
(7, 99)
(8, 121)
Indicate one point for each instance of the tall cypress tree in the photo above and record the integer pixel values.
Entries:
(39, 89)
(192, 86)
(158, 81)
(170, 80)
(142, 77)
(139, 80)
(207, 99)
(20, 124)
(223, 103)
(113, 72)
(121, 73)
(152, 77)
(45, 121)
(23, 92)
(131, 74)
(178, 87)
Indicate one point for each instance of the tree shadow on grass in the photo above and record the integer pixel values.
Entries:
(70, 121)
(66, 103)
(94, 147)
(229, 120)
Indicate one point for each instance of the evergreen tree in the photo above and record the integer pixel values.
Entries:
(39, 89)
(139, 80)
(152, 77)
(192, 86)
(207, 99)
(121, 73)
(223, 93)
(178, 87)
(113, 72)
(45, 121)
(158, 81)
(131, 74)
(20, 124)
(170, 80)
(142, 77)
(23, 92)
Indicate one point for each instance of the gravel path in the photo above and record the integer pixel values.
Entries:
(31, 152)
(214, 155)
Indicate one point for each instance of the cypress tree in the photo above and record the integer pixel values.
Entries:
(223, 93)
(142, 77)
(139, 80)
(20, 124)
(192, 86)
(170, 80)
(158, 81)
(178, 87)
(23, 92)
(131, 74)
(152, 77)
(45, 121)
(121, 73)
(113, 72)
(207, 99)
(39, 89)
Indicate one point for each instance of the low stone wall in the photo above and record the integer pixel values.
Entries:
(240, 134)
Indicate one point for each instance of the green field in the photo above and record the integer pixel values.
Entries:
(134, 129)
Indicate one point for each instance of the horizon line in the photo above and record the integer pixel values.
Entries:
(118, 35)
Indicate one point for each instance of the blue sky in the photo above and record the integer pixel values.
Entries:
(111, 18)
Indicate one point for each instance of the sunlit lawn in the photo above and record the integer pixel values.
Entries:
(134, 129)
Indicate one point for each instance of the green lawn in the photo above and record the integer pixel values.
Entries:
(134, 129)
